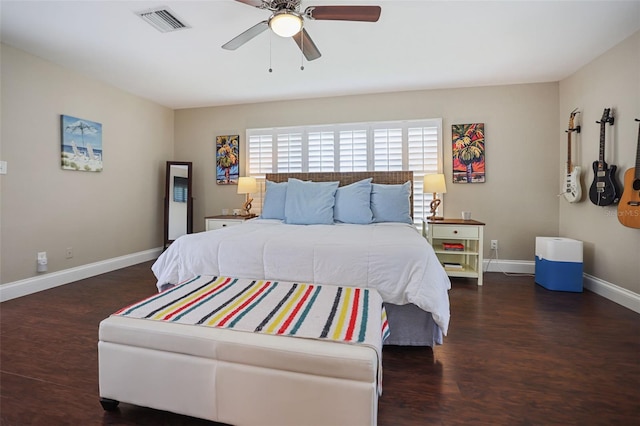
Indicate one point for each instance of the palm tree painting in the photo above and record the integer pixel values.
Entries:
(227, 159)
(468, 152)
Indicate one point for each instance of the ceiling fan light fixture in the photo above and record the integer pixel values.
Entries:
(285, 23)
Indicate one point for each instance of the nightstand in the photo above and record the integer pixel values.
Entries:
(458, 244)
(218, 222)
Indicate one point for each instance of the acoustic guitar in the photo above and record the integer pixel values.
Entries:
(604, 189)
(629, 207)
(572, 189)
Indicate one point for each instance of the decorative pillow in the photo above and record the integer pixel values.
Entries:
(390, 203)
(309, 203)
(353, 203)
(274, 199)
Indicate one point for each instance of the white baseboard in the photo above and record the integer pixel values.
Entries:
(510, 266)
(617, 294)
(9, 291)
(44, 282)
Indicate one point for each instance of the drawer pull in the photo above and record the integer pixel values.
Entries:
(455, 232)
(224, 224)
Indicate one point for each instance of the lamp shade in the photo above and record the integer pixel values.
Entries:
(247, 185)
(434, 183)
(285, 24)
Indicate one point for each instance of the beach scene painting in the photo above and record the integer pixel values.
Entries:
(81, 144)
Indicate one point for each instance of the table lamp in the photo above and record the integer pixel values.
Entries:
(435, 184)
(247, 185)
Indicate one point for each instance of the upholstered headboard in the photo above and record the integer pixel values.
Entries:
(346, 178)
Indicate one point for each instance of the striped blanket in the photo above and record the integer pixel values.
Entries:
(340, 314)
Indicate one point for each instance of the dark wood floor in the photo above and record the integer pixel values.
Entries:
(516, 354)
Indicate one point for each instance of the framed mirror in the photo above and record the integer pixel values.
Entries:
(178, 201)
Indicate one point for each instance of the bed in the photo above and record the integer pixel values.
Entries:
(391, 257)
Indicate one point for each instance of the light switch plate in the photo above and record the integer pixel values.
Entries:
(3, 167)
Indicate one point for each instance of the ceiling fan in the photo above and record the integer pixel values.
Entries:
(286, 20)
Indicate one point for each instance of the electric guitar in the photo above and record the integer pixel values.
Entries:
(572, 189)
(629, 207)
(604, 189)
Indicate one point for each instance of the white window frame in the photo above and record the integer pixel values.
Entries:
(259, 168)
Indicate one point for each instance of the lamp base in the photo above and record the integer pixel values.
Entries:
(434, 208)
(247, 206)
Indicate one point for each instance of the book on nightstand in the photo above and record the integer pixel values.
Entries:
(452, 265)
(453, 246)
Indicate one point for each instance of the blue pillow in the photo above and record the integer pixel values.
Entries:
(353, 203)
(309, 203)
(390, 203)
(274, 199)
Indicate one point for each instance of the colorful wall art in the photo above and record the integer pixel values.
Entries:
(81, 147)
(468, 153)
(227, 159)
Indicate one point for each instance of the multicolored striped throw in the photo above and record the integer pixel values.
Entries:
(342, 314)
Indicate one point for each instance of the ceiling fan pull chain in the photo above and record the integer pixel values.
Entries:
(270, 38)
(302, 52)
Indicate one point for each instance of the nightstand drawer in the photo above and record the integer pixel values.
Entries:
(453, 231)
(213, 224)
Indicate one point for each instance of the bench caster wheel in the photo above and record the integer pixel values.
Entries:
(109, 404)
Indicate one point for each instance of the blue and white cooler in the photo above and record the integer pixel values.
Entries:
(559, 263)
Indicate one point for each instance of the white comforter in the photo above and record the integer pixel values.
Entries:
(393, 258)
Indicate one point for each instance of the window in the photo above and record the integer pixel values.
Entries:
(378, 146)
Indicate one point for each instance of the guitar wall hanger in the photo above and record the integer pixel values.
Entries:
(604, 189)
(578, 127)
(572, 188)
(609, 120)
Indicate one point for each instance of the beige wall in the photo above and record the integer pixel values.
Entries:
(44, 208)
(612, 251)
(119, 211)
(517, 202)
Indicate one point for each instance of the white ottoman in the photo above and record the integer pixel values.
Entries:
(236, 377)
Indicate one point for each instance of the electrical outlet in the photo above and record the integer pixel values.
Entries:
(42, 262)
(494, 244)
(69, 253)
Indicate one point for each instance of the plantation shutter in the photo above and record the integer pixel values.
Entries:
(381, 146)
(321, 157)
(289, 152)
(425, 157)
(387, 150)
(260, 161)
(353, 151)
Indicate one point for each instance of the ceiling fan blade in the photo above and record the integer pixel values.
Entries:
(308, 47)
(254, 3)
(238, 41)
(344, 13)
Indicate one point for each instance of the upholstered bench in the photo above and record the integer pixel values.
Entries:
(238, 377)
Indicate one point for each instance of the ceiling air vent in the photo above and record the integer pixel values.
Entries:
(162, 19)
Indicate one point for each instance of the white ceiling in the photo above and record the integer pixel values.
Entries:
(415, 45)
